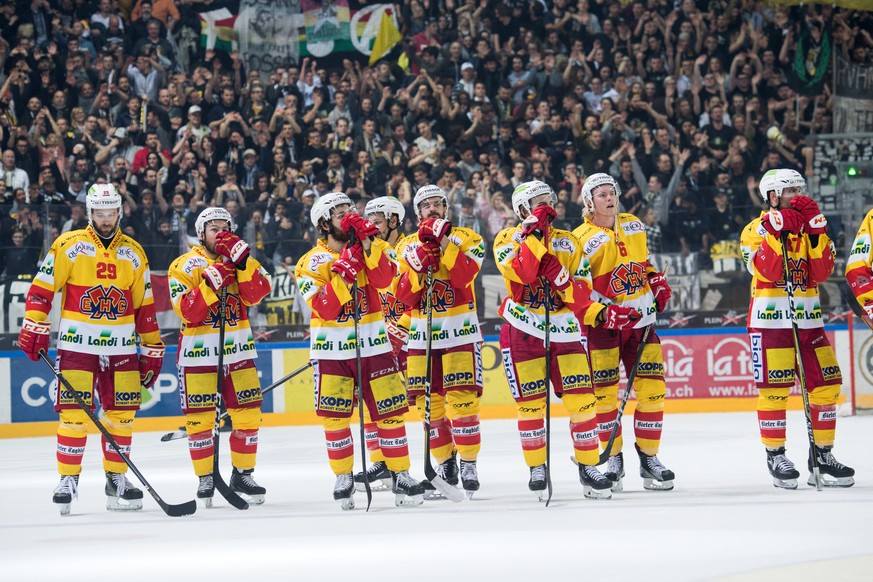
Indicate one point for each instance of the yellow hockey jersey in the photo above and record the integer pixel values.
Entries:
(106, 293)
(859, 268)
(620, 264)
(198, 305)
(809, 264)
(332, 326)
(455, 321)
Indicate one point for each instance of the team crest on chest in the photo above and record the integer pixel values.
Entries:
(627, 279)
(99, 302)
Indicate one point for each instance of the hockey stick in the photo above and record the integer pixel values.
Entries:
(182, 433)
(441, 485)
(789, 290)
(854, 305)
(219, 482)
(360, 388)
(181, 509)
(547, 345)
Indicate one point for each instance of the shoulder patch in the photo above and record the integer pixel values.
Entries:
(317, 259)
(126, 253)
(595, 242)
(634, 226)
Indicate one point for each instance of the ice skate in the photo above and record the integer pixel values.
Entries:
(65, 492)
(595, 485)
(615, 471)
(243, 483)
(344, 491)
(833, 473)
(121, 495)
(378, 476)
(782, 470)
(205, 490)
(537, 482)
(469, 477)
(656, 477)
(407, 491)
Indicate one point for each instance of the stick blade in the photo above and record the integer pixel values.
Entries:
(181, 509)
(229, 494)
(173, 436)
(451, 493)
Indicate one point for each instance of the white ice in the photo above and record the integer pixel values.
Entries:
(724, 520)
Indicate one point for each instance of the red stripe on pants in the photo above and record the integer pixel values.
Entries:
(605, 422)
(371, 435)
(465, 431)
(200, 445)
(648, 425)
(71, 450)
(824, 417)
(440, 433)
(532, 433)
(584, 435)
(393, 442)
(109, 452)
(339, 444)
(772, 424)
(244, 442)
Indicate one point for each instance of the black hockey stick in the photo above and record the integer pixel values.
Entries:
(360, 388)
(179, 510)
(789, 290)
(219, 482)
(441, 485)
(856, 308)
(182, 433)
(547, 345)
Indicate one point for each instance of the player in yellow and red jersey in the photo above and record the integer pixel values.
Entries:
(106, 302)
(326, 277)
(222, 260)
(859, 268)
(529, 256)
(455, 256)
(615, 244)
(796, 217)
(386, 213)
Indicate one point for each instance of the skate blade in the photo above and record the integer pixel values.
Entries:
(253, 499)
(617, 486)
(207, 502)
(540, 495)
(381, 485)
(64, 508)
(118, 504)
(787, 483)
(836, 482)
(470, 494)
(434, 496)
(596, 494)
(347, 504)
(403, 500)
(655, 485)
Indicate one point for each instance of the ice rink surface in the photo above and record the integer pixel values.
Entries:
(723, 521)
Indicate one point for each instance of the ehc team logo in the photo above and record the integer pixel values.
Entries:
(231, 312)
(99, 302)
(627, 279)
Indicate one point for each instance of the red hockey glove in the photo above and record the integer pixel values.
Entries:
(544, 215)
(351, 262)
(425, 255)
(434, 229)
(397, 336)
(362, 227)
(778, 221)
(619, 317)
(814, 221)
(219, 274)
(554, 272)
(231, 246)
(529, 225)
(34, 338)
(151, 357)
(660, 289)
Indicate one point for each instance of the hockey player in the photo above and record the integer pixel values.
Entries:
(387, 214)
(326, 276)
(454, 255)
(795, 216)
(615, 243)
(859, 268)
(106, 300)
(531, 257)
(222, 260)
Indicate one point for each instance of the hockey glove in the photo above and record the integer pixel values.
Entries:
(814, 221)
(397, 336)
(233, 247)
(778, 221)
(552, 269)
(619, 317)
(151, 357)
(529, 225)
(350, 263)
(219, 274)
(660, 289)
(34, 338)
(434, 230)
(362, 227)
(544, 215)
(425, 255)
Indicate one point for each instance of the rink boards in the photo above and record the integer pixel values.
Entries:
(707, 370)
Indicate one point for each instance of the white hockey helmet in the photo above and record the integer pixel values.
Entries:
(324, 206)
(797, 180)
(102, 197)
(593, 181)
(776, 181)
(527, 191)
(426, 192)
(387, 205)
(210, 214)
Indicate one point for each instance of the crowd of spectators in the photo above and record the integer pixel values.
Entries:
(685, 103)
